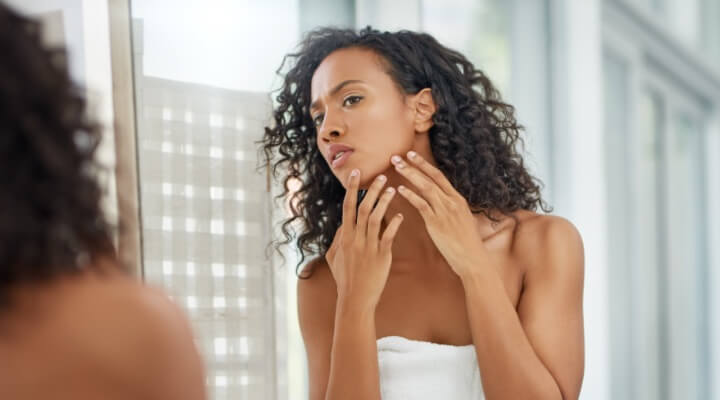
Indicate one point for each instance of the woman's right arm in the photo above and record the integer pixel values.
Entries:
(336, 333)
(337, 309)
(354, 365)
(316, 299)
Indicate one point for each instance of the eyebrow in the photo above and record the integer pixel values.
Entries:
(335, 90)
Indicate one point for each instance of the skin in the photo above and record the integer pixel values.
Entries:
(514, 291)
(93, 336)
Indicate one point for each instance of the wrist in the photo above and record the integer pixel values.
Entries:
(353, 306)
(475, 276)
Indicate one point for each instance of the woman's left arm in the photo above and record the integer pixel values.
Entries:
(536, 351)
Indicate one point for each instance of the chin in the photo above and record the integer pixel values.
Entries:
(368, 173)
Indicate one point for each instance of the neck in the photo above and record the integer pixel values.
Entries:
(412, 243)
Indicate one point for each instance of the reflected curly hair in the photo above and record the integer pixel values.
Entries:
(473, 138)
(51, 222)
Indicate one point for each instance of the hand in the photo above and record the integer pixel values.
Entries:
(358, 259)
(448, 219)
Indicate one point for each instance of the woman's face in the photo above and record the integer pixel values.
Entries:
(356, 103)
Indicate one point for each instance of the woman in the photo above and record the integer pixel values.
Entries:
(74, 324)
(453, 287)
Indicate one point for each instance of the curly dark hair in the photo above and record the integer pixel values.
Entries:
(51, 221)
(473, 138)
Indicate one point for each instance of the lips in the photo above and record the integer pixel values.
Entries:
(341, 159)
(337, 148)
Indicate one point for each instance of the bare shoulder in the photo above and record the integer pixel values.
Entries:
(551, 304)
(122, 331)
(548, 242)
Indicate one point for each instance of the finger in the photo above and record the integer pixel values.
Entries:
(375, 221)
(433, 172)
(425, 186)
(350, 201)
(418, 202)
(389, 234)
(368, 202)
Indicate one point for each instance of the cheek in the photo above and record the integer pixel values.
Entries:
(385, 126)
(379, 131)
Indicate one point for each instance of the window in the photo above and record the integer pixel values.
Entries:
(206, 213)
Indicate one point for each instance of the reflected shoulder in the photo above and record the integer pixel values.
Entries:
(134, 334)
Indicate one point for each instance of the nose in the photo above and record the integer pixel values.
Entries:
(331, 127)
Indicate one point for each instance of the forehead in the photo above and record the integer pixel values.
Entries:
(344, 64)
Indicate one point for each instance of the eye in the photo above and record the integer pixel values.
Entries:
(317, 121)
(350, 100)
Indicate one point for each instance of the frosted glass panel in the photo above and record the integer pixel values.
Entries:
(687, 294)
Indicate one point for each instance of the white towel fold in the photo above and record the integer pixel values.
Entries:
(417, 370)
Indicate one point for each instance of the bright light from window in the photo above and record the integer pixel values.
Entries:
(220, 346)
(219, 302)
(217, 227)
(191, 302)
(216, 120)
(244, 345)
(167, 223)
(166, 114)
(167, 267)
(190, 224)
(216, 152)
(218, 270)
(216, 193)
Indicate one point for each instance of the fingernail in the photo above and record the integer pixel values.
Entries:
(382, 178)
(396, 159)
(411, 154)
(354, 172)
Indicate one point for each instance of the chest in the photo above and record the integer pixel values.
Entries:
(428, 303)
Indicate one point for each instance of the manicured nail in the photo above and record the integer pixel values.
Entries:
(396, 159)
(382, 178)
(411, 154)
(354, 172)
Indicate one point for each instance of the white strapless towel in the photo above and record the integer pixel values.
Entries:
(418, 370)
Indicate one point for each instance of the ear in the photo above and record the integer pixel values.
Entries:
(424, 108)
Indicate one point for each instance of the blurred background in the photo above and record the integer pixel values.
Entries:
(621, 104)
